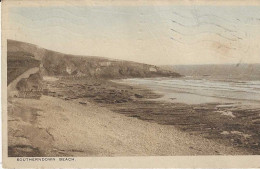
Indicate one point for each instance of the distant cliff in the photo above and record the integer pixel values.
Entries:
(23, 56)
(241, 71)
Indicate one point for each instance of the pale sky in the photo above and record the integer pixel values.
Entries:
(149, 34)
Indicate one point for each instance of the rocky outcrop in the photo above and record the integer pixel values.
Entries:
(30, 87)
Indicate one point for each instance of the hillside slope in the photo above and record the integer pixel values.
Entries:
(18, 63)
(57, 64)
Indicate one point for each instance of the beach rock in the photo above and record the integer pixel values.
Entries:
(138, 96)
(83, 103)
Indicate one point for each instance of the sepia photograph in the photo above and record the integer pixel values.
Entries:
(132, 79)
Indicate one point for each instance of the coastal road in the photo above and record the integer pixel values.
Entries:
(11, 88)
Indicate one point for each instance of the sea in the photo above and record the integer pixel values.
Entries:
(236, 84)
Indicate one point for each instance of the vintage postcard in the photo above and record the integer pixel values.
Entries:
(136, 83)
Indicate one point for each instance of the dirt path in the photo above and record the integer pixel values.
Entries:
(11, 88)
(55, 127)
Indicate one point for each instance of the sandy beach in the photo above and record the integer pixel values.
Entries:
(55, 127)
(211, 120)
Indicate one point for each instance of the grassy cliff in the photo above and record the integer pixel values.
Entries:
(23, 56)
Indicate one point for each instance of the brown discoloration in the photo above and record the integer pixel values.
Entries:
(222, 48)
